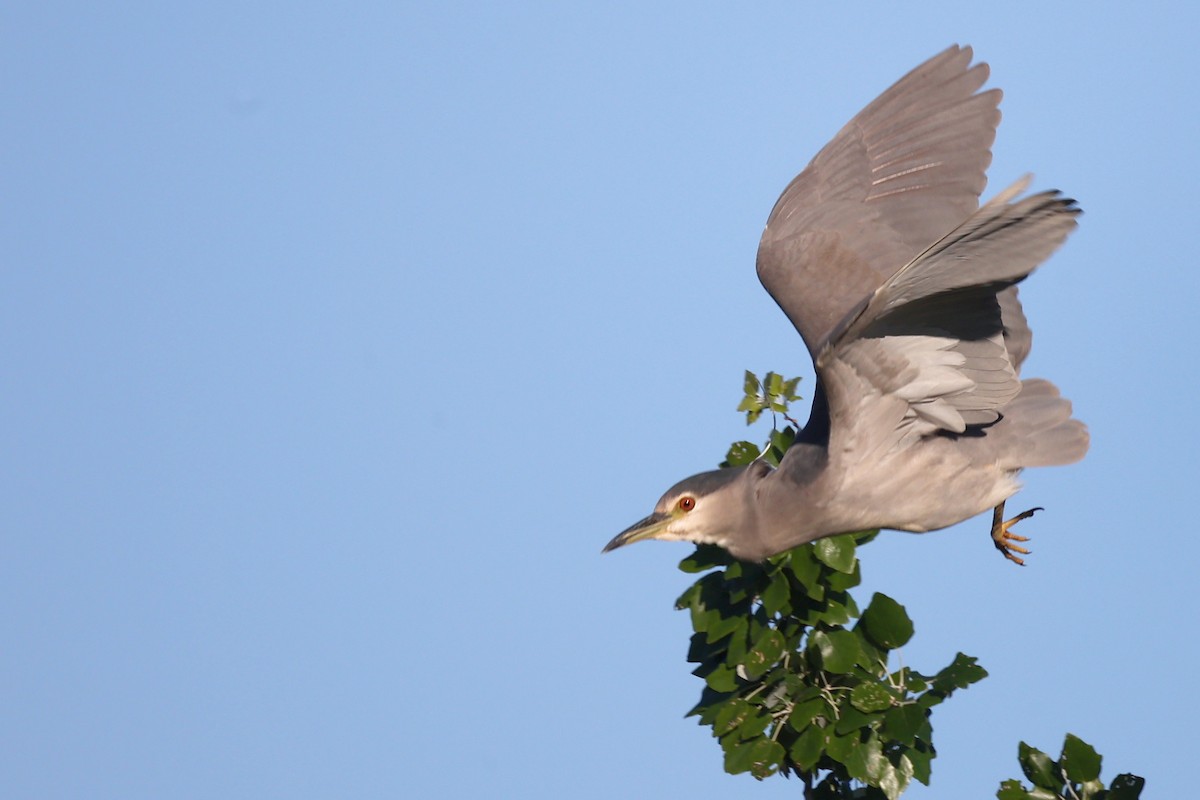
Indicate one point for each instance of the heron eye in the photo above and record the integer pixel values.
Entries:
(687, 503)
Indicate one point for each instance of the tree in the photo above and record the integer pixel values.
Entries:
(796, 677)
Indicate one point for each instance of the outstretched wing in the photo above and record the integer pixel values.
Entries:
(903, 288)
(938, 346)
(907, 169)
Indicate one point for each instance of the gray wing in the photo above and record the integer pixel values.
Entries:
(907, 169)
(938, 346)
(1018, 339)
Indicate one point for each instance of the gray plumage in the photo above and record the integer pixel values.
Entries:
(904, 290)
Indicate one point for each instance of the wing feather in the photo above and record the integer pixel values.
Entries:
(933, 335)
(907, 169)
(901, 285)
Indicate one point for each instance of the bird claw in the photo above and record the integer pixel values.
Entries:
(1005, 539)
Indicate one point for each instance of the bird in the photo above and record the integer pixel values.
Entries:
(904, 290)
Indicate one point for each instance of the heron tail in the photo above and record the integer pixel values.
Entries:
(1037, 429)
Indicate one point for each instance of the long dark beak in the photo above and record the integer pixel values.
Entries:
(646, 528)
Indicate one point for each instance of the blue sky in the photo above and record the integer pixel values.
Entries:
(338, 342)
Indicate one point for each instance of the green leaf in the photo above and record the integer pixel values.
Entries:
(870, 697)
(736, 647)
(773, 383)
(1080, 760)
(903, 722)
(837, 650)
(809, 746)
(886, 622)
(862, 537)
(765, 756)
(876, 762)
(701, 651)
(750, 384)
(1012, 790)
(702, 617)
(737, 755)
(1039, 768)
(719, 627)
(735, 650)
(912, 681)
(874, 658)
(866, 761)
(961, 673)
(852, 719)
(834, 787)
(741, 454)
(776, 597)
(722, 679)
(731, 715)
(772, 644)
(896, 777)
(841, 748)
(783, 439)
(766, 652)
(709, 704)
(841, 581)
(804, 566)
(754, 725)
(704, 558)
(1125, 787)
(735, 570)
(1038, 793)
(921, 755)
(836, 552)
(834, 614)
(760, 757)
(804, 713)
(801, 687)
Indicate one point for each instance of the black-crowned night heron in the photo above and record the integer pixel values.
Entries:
(904, 290)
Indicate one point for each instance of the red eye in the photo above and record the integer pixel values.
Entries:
(687, 503)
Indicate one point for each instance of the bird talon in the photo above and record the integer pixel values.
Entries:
(1004, 539)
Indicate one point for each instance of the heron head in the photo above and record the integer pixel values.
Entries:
(710, 508)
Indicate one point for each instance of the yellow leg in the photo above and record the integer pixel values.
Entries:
(1004, 539)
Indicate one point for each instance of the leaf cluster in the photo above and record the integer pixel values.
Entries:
(1074, 776)
(772, 393)
(797, 679)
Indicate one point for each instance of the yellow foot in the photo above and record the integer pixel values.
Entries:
(1004, 539)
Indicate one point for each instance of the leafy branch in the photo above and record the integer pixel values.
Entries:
(1075, 776)
(772, 393)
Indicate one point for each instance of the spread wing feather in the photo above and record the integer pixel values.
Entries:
(902, 287)
(905, 171)
(933, 336)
